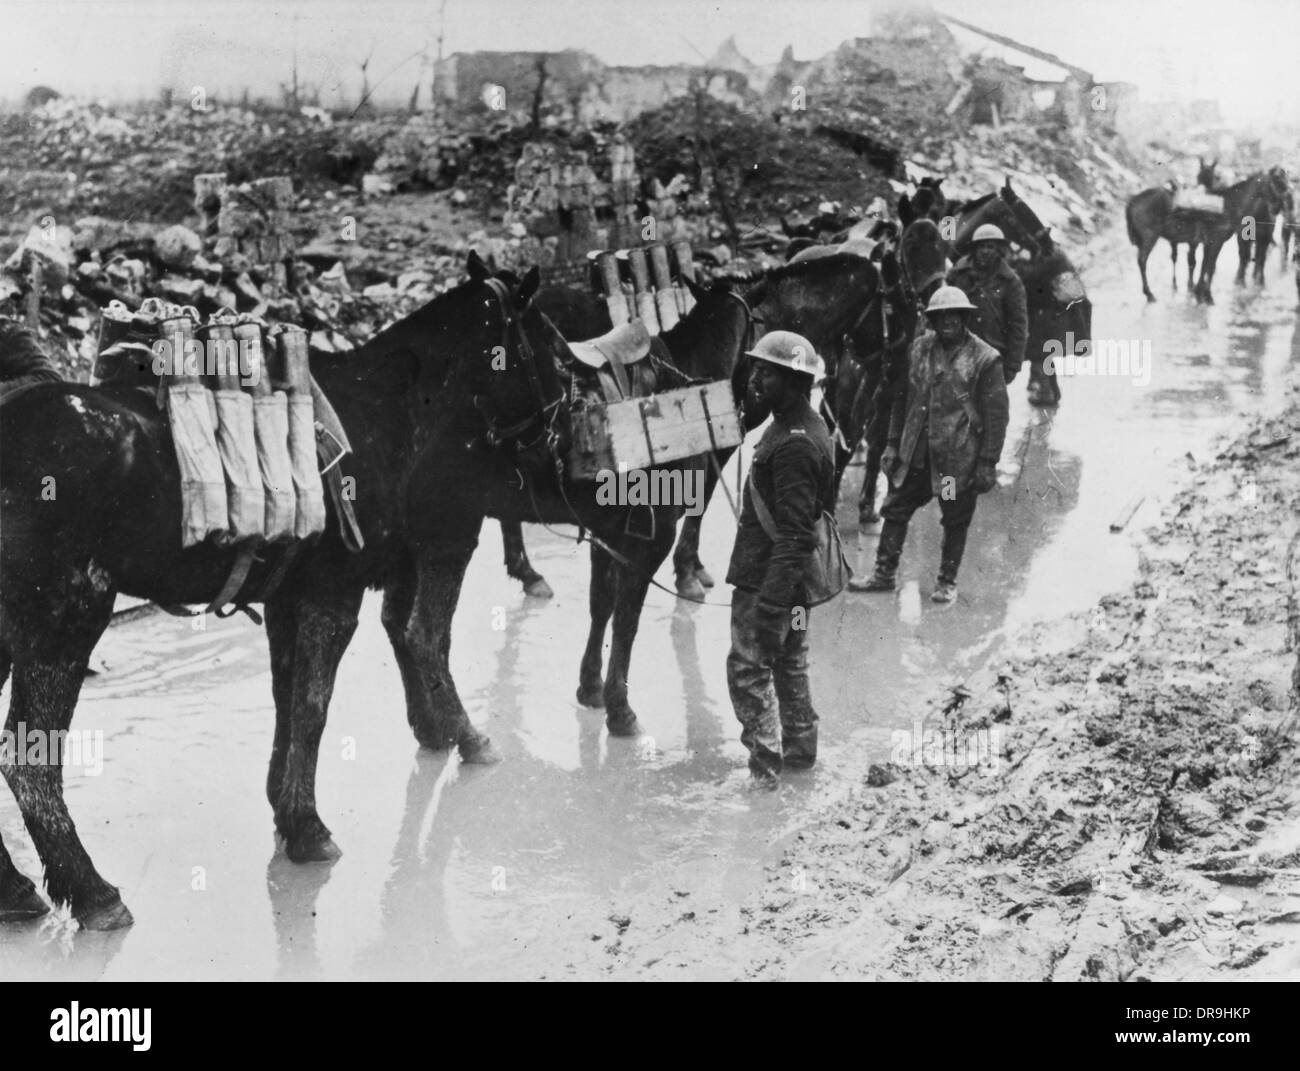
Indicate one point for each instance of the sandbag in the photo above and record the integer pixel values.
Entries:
(237, 443)
(271, 428)
(308, 490)
(193, 417)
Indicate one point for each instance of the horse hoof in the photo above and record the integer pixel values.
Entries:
(539, 589)
(689, 587)
(479, 752)
(24, 908)
(868, 518)
(625, 726)
(705, 577)
(316, 850)
(112, 916)
(592, 695)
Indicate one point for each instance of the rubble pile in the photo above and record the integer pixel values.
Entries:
(243, 259)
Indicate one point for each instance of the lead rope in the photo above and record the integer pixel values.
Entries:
(595, 540)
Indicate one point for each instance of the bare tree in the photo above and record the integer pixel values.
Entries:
(539, 91)
(365, 79)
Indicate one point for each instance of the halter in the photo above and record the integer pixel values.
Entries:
(544, 417)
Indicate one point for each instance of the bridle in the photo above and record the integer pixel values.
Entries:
(545, 417)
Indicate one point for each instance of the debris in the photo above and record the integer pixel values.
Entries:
(1126, 514)
(177, 246)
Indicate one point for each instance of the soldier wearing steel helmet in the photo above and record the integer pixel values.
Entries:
(1001, 316)
(945, 437)
(793, 475)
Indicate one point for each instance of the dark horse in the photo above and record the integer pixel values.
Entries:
(502, 456)
(1152, 215)
(1250, 208)
(579, 316)
(842, 306)
(90, 493)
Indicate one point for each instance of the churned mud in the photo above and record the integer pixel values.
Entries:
(1133, 810)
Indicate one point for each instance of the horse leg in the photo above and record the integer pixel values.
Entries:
(600, 604)
(440, 572)
(686, 555)
(867, 514)
(281, 635)
(692, 578)
(325, 613)
(1143, 252)
(399, 602)
(712, 474)
(1191, 264)
(631, 587)
(1261, 254)
(19, 900)
(50, 646)
(1173, 261)
(517, 563)
(1243, 259)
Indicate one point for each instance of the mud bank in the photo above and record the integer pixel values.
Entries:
(1116, 798)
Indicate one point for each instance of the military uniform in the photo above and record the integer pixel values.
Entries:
(1001, 316)
(952, 417)
(794, 474)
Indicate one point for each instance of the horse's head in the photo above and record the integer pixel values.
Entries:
(991, 208)
(502, 385)
(929, 199)
(1205, 175)
(710, 341)
(923, 254)
(1027, 219)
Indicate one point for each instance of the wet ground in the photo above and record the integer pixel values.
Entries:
(534, 867)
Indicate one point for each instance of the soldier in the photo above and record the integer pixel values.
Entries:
(791, 482)
(945, 437)
(1001, 316)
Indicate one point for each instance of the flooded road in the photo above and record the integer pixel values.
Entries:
(532, 868)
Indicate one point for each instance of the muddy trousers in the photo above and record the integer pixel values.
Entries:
(770, 696)
(902, 501)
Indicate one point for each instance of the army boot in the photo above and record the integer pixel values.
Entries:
(954, 546)
(888, 551)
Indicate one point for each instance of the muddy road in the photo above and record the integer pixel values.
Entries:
(542, 866)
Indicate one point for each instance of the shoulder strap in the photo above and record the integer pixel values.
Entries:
(760, 508)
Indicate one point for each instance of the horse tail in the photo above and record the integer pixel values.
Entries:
(1133, 235)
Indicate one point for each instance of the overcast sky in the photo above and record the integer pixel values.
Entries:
(1243, 52)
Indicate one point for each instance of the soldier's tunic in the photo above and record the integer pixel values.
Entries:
(1001, 316)
(793, 473)
(953, 415)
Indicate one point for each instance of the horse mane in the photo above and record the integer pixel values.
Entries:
(835, 263)
(21, 355)
(978, 202)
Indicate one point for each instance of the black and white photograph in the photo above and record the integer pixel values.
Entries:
(650, 490)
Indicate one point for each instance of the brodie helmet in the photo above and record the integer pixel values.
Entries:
(949, 298)
(789, 350)
(988, 232)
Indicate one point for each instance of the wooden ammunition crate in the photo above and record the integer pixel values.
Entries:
(640, 433)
